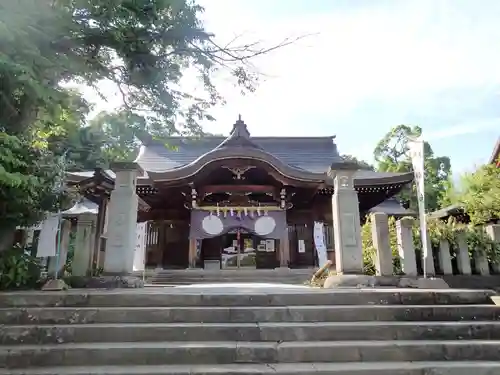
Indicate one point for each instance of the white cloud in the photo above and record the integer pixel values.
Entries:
(382, 53)
(406, 52)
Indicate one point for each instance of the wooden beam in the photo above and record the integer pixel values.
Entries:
(210, 189)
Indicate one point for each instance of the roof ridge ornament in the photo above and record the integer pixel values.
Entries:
(239, 136)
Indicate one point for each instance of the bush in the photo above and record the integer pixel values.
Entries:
(18, 269)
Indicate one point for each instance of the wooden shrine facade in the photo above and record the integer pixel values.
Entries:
(238, 179)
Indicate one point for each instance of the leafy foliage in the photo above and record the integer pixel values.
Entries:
(28, 182)
(142, 48)
(391, 155)
(18, 269)
(480, 194)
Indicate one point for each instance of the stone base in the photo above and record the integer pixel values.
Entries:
(106, 282)
(55, 284)
(365, 281)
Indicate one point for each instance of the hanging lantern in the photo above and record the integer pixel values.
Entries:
(218, 209)
(246, 211)
(194, 195)
(232, 212)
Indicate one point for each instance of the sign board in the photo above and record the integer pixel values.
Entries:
(319, 243)
(302, 246)
(140, 248)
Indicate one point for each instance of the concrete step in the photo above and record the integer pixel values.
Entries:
(220, 353)
(243, 296)
(366, 368)
(248, 314)
(264, 332)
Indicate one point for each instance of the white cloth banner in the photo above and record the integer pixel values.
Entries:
(416, 151)
(47, 240)
(319, 243)
(140, 248)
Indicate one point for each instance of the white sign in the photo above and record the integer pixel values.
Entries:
(416, 151)
(270, 246)
(302, 246)
(47, 240)
(319, 243)
(140, 248)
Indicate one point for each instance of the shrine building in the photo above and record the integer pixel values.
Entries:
(233, 202)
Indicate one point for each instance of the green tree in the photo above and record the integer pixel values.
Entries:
(479, 194)
(391, 155)
(143, 47)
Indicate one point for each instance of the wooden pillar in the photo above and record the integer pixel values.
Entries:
(192, 253)
(285, 249)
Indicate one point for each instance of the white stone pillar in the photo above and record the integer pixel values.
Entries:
(63, 251)
(380, 238)
(85, 228)
(493, 231)
(346, 224)
(445, 257)
(429, 261)
(122, 221)
(482, 265)
(463, 259)
(406, 248)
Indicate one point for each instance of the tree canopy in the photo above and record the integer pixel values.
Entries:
(142, 47)
(391, 155)
(479, 194)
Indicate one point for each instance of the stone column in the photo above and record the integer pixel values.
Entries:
(192, 253)
(122, 221)
(346, 223)
(429, 261)
(406, 248)
(482, 265)
(83, 245)
(493, 231)
(63, 251)
(445, 257)
(463, 259)
(380, 238)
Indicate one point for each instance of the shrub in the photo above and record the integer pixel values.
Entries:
(18, 269)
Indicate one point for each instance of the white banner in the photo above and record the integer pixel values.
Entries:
(140, 247)
(416, 151)
(47, 240)
(319, 243)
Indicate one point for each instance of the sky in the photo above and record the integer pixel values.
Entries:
(366, 66)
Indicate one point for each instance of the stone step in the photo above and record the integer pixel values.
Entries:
(255, 332)
(206, 353)
(248, 314)
(364, 368)
(243, 296)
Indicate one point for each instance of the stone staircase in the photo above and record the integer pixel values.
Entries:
(199, 276)
(250, 331)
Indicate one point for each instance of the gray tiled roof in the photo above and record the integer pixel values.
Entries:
(392, 206)
(312, 154)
